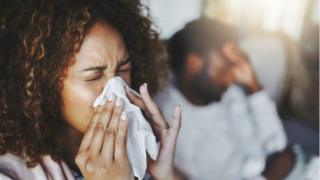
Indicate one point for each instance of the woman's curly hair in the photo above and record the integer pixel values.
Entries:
(37, 40)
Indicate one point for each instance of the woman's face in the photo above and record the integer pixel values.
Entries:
(102, 56)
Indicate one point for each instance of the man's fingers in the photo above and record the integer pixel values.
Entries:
(235, 54)
(121, 138)
(152, 107)
(230, 54)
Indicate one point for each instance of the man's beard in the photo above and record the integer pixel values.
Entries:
(205, 88)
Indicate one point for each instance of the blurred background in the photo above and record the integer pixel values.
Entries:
(293, 84)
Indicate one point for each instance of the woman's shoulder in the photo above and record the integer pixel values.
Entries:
(14, 167)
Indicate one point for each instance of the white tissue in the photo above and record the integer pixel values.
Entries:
(140, 135)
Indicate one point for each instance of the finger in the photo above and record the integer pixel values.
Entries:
(230, 54)
(107, 151)
(176, 123)
(152, 107)
(116, 113)
(135, 98)
(237, 50)
(89, 166)
(86, 140)
(108, 110)
(101, 125)
(82, 155)
(121, 138)
(138, 101)
(239, 53)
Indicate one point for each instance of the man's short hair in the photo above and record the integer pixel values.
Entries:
(198, 36)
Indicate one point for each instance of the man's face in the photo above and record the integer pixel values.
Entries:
(214, 77)
(218, 70)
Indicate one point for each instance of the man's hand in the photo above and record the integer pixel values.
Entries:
(279, 164)
(240, 68)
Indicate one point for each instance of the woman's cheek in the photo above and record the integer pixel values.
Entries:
(86, 112)
(87, 95)
(77, 105)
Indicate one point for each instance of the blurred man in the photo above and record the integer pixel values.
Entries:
(230, 126)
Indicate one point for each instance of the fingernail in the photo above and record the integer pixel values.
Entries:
(145, 87)
(119, 102)
(110, 97)
(123, 116)
(99, 108)
(89, 167)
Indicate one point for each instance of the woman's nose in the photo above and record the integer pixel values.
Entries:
(106, 79)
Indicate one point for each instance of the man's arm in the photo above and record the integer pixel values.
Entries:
(278, 164)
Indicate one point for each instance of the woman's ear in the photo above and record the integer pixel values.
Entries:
(194, 64)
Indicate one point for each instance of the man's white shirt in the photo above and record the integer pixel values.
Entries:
(230, 139)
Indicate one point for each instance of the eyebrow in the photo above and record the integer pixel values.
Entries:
(124, 62)
(95, 68)
(99, 68)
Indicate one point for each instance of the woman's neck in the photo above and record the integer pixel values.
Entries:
(71, 139)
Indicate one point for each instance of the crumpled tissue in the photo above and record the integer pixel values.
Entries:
(140, 135)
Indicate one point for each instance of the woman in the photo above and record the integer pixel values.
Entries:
(55, 58)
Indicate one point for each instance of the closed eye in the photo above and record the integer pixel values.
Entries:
(94, 72)
(96, 76)
(124, 69)
(124, 66)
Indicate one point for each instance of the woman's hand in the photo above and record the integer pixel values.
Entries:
(103, 152)
(162, 168)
